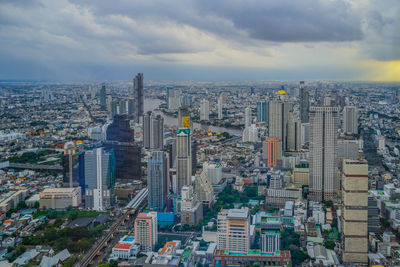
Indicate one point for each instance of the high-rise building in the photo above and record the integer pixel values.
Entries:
(195, 145)
(250, 134)
(204, 189)
(99, 178)
(323, 153)
(153, 131)
(270, 242)
(355, 214)
(183, 159)
(183, 114)
(350, 120)
(278, 118)
(173, 99)
(191, 207)
(146, 129)
(293, 133)
(272, 152)
(157, 180)
(146, 234)
(113, 108)
(120, 138)
(71, 165)
(233, 230)
(138, 95)
(131, 107)
(304, 103)
(122, 107)
(220, 108)
(103, 103)
(247, 117)
(262, 112)
(213, 171)
(204, 110)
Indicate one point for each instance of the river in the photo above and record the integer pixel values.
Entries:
(150, 104)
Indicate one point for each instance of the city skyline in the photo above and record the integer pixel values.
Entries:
(206, 41)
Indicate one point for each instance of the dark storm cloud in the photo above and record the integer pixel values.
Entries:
(273, 20)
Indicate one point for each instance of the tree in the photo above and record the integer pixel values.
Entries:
(36, 205)
(329, 244)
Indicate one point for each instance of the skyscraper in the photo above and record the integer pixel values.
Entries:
(247, 117)
(146, 129)
(183, 159)
(113, 108)
(355, 215)
(183, 112)
(304, 103)
(99, 178)
(293, 133)
(262, 111)
(350, 120)
(220, 111)
(146, 231)
(122, 107)
(273, 152)
(131, 107)
(323, 153)
(157, 180)
(103, 104)
(138, 95)
(153, 131)
(278, 118)
(71, 165)
(204, 110)
(120, 138)
(156, 132)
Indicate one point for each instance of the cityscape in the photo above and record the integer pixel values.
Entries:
(199, 134)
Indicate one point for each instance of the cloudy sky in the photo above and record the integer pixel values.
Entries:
(82, 40)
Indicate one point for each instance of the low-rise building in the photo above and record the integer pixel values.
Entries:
(60, 198)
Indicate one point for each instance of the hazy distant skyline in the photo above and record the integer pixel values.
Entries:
(71, 40)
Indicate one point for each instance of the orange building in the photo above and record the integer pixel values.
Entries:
(274, 151)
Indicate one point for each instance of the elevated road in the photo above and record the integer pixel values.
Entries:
(34, 166)
(130, 209)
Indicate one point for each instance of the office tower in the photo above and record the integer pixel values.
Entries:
(293, 133)
(323, 153)
(204, 110)
(278, 118)
(71, 165)
(350, 120)
(327, 101)
(250, 134)
(138, 95)
(213, 171)
(220, 111)
(204, 189)
(374, 223)
(355, 214)
(262, 112)
(146, 130)
(347, 149)
(113, 108)
(103, 104)
(157, 132)
(272, 152)
(187, 101)
(120, 138)
(195, 145)
(304, 103)
(191, 207)
(99, 178)
(170, 145)
(153, 131)
(183, 117)
(157, 180)
(131, 107)
(183, 159)
(146, 231)
(305, 133)
(173, 99)
(247, 117)
(233, 230)
(122, 107)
